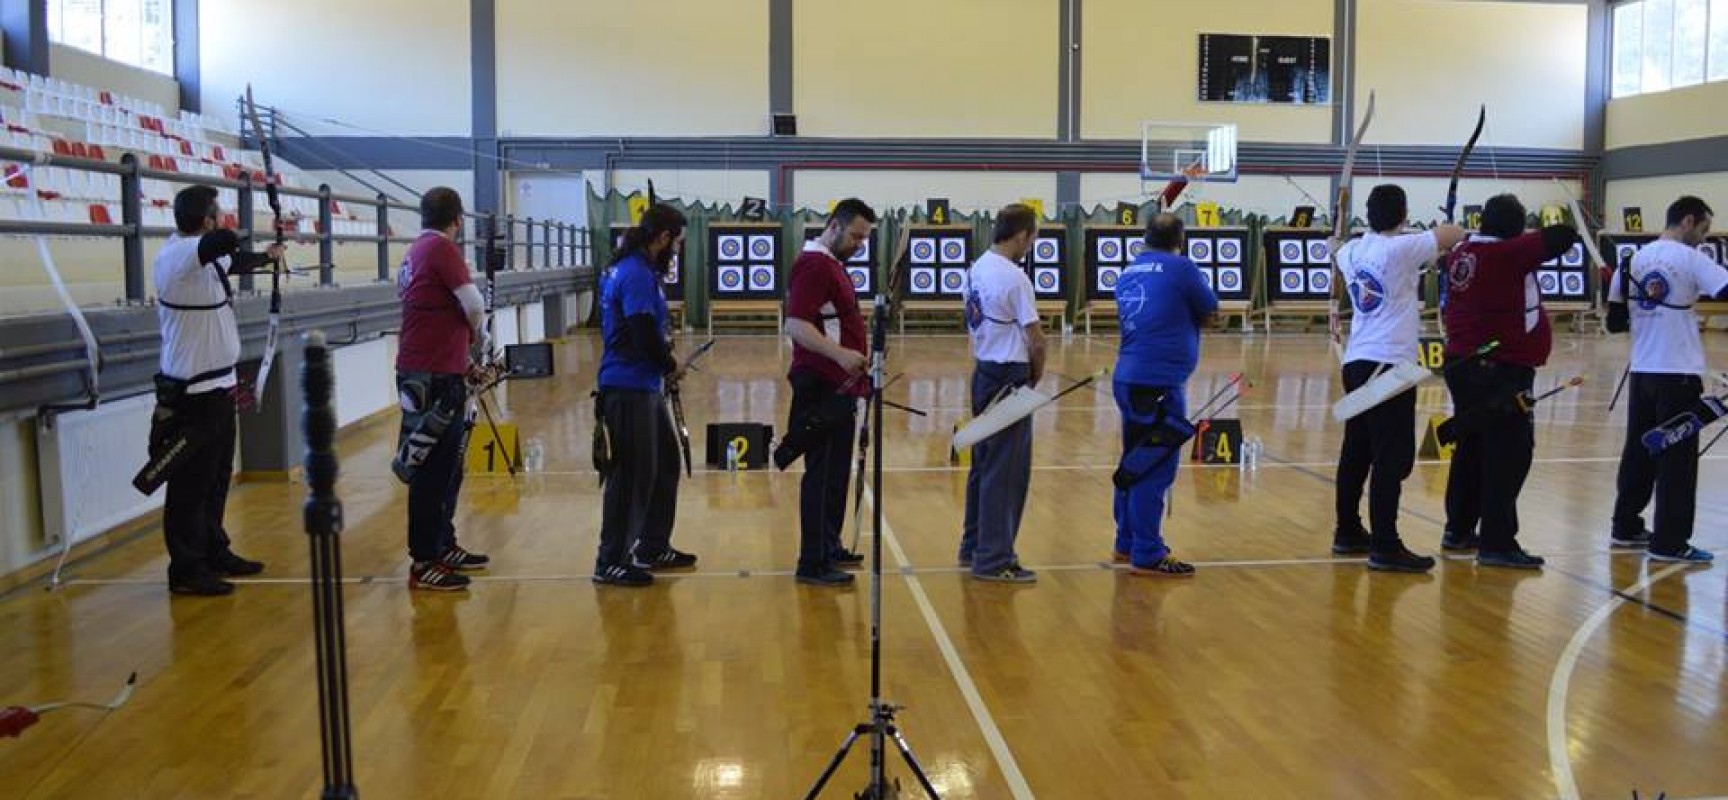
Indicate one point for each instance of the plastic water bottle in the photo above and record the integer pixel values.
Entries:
(731, 456)
(534, 459)
(1254, 448)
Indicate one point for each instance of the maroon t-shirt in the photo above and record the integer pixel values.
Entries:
(435, 332)
(821, 294)
(1491, 296)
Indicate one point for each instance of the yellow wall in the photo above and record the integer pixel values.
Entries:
(1654, 194)
(960, 68)
(1259, 194)
(966, 191)
(632, 67)
(1140, 61)
(399, 66)
(20, 504)
(1433, 62)
(1694, 112)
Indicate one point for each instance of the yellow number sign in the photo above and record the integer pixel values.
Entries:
(638, 205)
(487, 453)
(1206, 215)
(743, 446)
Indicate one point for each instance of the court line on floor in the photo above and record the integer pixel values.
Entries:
(968, 689)
(1559, 758)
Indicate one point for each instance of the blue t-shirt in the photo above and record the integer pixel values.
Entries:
(1162, 299)
(627, 289)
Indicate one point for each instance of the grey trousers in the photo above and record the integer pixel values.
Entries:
(1000, 476)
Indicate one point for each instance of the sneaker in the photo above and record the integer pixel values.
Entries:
(670, 559)
(1632, 540)
(845, 558)
(1119, 557)
(458, 559)
(434, 576)
(1453, 542)
(1013, 573)
(202, 584)
(825, 577)
(1168, 567)
(1515, 558)
(1353, 543)
(1688, 554)
(228, 563)
(622, 575)
(1400, 560)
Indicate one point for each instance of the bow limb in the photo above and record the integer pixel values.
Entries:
(1451, 207)
(273, 196)
(1341, 227)
(1584, 234)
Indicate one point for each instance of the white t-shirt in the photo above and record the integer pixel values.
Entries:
(1667, 273)
(999, 305)
(194, 341)
(1382, 273)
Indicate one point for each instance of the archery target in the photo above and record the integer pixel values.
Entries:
(1573, 283)
(1047, 280)
(1319, 281)
(1623, 252)
(761, 278)
(1548, 281)
(1206, 276)
(672, 275)
(953, 280)
(924, 280)
(1229, 251)
(1290, 251)
(1229, 279)
(863, 254)
(1291, 280)
(1319, 252)
(731, 248)
(1710, 251)
(1135, 248)
(1200, 250)
(1107, 277)
(762, 247)
(1109, 249)
(860, 279)
(1573, 257)
(1044, 252)
(731, 279)
(923, 251)
(953, 251)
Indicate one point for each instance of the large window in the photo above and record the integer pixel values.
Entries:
(135, 32)
(1667, 44)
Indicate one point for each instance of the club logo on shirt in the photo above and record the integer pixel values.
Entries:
(1653, 288)
(1367, 293)
(1461, 272)
(974, 310)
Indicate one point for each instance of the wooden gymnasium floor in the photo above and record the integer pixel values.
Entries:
(1277, 672)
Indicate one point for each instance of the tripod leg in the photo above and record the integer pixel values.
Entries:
(912, 761)
(834, 764)
(486, 408)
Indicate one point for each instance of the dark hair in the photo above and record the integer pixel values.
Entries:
(440, 207)
(850, 209)
(1387, 207)
(1164, 232)
(1503, 216)
(659, 218)
(1013, 220)
(1688, 206)
(192, 206)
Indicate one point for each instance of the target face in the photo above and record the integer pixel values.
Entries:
(1623, 252)
(1290, 252)
(1044, 252)
(672, 275)
(1107, 278)
(1573, 283)
(1135, 248)
(731, 248)
(1291, 280)
(761, 247)
(1229, 279)
(1109, 249)
(1047, 280)
(1319, 281)
(1710, 251)
(923, 281)
(1548, 281)
(953, 280)
(1573, 257)
(953, 251)
(1200, 250)
(860, 279)
(1229, 251)
(923, 251)
(1206, 276)
(863, 254)
(1319, 252)
(731, 279)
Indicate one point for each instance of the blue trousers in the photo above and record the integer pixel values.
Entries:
(1140, 508)
(1000, 476)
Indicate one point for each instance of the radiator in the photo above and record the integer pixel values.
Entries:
(86, 461)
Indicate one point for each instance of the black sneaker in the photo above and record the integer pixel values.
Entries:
(1013, 573)
(228, 563)
(845, 558)
(1400, 560)
(1688, 554)
(459, 559)
(670, 559)
(1453, 542)
(623, 575)
(1630, 540)
(1350, 543)
(1515, 558)
(825, 577)
(434, 576)
(202, 584)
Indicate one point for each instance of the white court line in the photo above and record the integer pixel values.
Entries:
(1559, 758)
(969, 690)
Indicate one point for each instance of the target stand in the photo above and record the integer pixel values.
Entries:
(937, 258)
(746, 284)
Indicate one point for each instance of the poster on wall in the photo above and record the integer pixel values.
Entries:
(1243, 68)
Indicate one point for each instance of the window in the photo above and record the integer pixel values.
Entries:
(135, 32)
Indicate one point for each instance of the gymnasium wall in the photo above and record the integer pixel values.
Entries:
(1654, 194)
(77, 66)
(1694, 112)
(20, 504)
(966, 191)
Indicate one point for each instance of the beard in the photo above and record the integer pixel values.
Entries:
(663, 262)
(842, 252)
